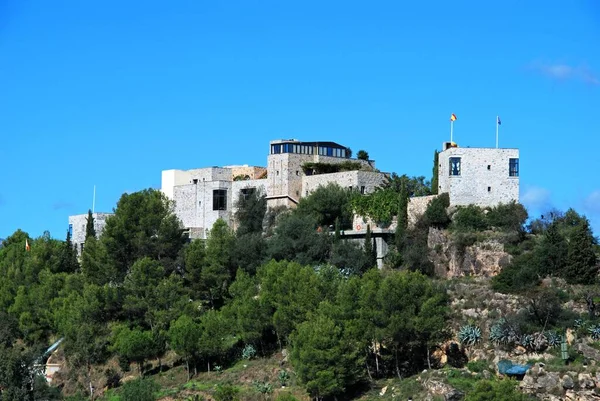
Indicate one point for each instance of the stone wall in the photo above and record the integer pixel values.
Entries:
(484, 177)
(251, 171)
(416, 208)
(78, 224)
(364, 181)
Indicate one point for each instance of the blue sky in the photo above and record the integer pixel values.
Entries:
(110, 93)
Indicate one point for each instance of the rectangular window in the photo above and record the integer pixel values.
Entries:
(275, 149)
(362, 189)
(513, 167)
(247, 192)
(220, 199)
(71, 230)
(455, 166)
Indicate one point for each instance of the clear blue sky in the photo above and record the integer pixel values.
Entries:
(109, 93)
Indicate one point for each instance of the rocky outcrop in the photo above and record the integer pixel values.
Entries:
(457, 257)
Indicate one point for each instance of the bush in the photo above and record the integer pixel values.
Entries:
(508, 217)
(469, 218)
(226, 392)
(139, 390)
(478, 366)
(435, 214)
(489, 390)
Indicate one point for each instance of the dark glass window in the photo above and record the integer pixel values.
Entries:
(329, 151)
(513, 167)
(276, 149)
(71, 230)
(455, 166)
(247, 192)
(220, 199)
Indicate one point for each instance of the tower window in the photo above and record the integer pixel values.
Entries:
(489, 167)
(455, 166)
(513, 167)
(220, 199)
(362, 189)
(489, 189)
(195, 181)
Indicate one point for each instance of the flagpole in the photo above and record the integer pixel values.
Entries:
(451, 129)
(497, 132)
(94, 200)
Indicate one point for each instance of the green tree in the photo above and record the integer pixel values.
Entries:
(141, 285)
(369, 249)
(90, 231)
(143, 225)
(551, 252)
(325, 359)
(435, 214)
(362, 155)
(218, 272)
(435, 173)
(350, 256)
(251, 209)
(194, 263)
(134, 345)
(184, 338)
(213, 340)
(290, 291)
(68, 257)
(296, 238)
(326, 204)
(582, 263)
(402, 219)
(15, 377)
(249, 251)
(249, 317)
(95, 265)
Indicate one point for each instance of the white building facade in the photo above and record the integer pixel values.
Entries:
(479, 176)
(202, 196)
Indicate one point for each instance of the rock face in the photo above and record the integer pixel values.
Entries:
(451, 259)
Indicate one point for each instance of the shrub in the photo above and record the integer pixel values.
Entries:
(469, 218)
(283, 377)
(478, 366)
(226, 392)
(286, 397)
(139, 390)
(435, 214)
(502, 390)
(508, 217)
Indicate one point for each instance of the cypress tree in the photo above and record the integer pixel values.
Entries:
(369, 248)
(434, 178)
(402, 216)
(336, 236)
(90, 231)
(68, 257)
(582, 264)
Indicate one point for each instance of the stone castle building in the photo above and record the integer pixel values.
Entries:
(78, 223)
(294, 170)
(478, 176)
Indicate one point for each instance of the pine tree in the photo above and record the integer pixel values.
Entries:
(369, 249)
(90, 231)
(434, 178)
(582, 264)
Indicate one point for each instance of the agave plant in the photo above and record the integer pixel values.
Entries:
(595, 332)
(469, 335)
(554, 339)
(527, 341)
(578, 323)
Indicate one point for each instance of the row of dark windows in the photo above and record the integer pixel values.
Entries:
(220, 197)
(455, 167)
(309, 150)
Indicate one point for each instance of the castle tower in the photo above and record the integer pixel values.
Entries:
(478, 176)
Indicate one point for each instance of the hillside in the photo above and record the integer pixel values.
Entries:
(146, 313)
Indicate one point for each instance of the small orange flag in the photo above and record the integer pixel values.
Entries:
(27, 247)
(453, 117)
